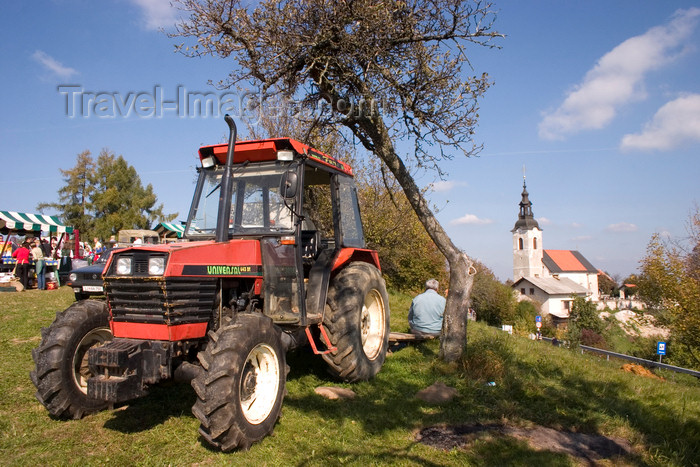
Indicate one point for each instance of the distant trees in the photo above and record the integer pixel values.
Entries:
(670, 282)
(607, 285)
(493, 301)
(74, 197)
(584, 326)
(100, 198)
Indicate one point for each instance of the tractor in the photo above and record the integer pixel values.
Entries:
(275, 259)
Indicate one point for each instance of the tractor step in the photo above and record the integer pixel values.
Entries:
(326, 341)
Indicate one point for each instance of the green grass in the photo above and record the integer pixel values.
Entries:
(536, 384)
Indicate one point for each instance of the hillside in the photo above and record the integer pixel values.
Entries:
(518, 402)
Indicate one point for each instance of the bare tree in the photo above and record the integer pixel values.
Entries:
(386, 71)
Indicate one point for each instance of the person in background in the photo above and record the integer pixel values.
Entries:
(55, 252)
(427, 309)
(21, 254)
(39, 265)
(46, 248)
(98, 246)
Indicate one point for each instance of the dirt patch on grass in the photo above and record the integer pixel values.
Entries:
(25, 341)
(639, 370)
(590, 448)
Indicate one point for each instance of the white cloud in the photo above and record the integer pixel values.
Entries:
(544, 221)
(470, 219)
(621, 227)
(157, 13)
(676, 123)
(53, 65)
(442, 186)
(618, 77)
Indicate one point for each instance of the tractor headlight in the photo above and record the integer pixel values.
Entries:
(156, 266)
(73, 277)
(124, 266)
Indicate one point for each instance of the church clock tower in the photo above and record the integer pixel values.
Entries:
(527, 242)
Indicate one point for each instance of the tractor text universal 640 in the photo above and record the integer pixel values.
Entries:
(258, 276)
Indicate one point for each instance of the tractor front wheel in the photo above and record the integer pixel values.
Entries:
(61, 370)
(240, 391)
(357, 322)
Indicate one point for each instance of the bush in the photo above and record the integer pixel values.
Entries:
(584, 315)
(525, 313)
(492, 300)
(593, 339)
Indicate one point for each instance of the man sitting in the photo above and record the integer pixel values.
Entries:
(425, 314)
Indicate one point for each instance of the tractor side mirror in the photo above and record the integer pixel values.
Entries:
(289, 184)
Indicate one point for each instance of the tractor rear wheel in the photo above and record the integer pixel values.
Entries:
(61, 370)
(240, 391)
(357, 322)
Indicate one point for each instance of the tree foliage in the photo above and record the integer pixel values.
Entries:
(583, 317)
(670, 281)
(101, 198)
(493, 301)
(384, 71)
(74, 197)
(607, 285)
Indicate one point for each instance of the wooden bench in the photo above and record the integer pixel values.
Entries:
(395, 337)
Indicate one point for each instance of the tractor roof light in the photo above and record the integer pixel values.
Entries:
(208, 162)
(285, 155)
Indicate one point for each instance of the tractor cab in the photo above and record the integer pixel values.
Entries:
(299, 204)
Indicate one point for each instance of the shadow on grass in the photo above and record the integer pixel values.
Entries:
(164, 401)
(533, 388)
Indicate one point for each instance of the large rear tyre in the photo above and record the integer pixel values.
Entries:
(61, 363)
(240, 391)
(357, 322)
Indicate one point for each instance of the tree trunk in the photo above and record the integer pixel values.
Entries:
(375, 136)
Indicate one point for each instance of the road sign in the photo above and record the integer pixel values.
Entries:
(538, 324)
(538, 319)
(661, 348)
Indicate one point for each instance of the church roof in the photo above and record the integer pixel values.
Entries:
(559, 261)
(526, 220)
(553, 286)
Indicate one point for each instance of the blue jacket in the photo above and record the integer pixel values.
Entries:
(426, 312)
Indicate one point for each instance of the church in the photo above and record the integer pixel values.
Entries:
(551, 277)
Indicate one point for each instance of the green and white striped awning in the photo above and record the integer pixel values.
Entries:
(168, 229)
(27, 222)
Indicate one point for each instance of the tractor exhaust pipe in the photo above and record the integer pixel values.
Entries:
(226, 185)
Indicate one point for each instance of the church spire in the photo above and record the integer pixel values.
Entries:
(526, 220)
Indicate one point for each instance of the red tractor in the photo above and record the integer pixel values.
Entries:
(255, 279)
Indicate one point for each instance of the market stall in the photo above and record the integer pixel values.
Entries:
(13, 223)
(169, 231)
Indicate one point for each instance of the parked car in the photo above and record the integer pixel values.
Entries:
(87, 281)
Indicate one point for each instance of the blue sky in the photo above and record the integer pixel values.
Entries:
(599, 100)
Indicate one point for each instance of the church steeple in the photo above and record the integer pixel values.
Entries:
(527, 241)
(526, 220)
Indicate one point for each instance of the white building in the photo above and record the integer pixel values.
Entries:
(550, 277)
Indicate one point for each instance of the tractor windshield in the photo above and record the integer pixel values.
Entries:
(256, 205)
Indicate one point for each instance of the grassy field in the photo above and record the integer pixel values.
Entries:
(537, 386)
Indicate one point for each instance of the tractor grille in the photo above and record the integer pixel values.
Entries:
(160, 300)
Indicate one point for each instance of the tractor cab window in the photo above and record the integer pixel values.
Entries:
(256, 204)
(350, 221)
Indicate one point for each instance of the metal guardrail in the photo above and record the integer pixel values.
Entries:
(641, 361)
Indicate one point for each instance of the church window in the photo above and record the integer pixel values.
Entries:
(534, 243)
(520, 243)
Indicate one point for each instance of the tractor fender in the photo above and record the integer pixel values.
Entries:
(347, 255)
